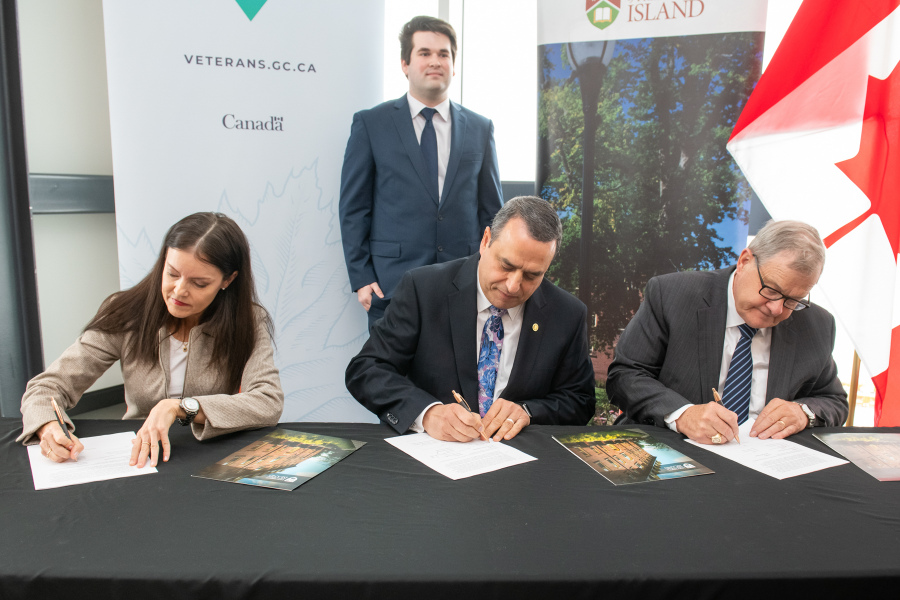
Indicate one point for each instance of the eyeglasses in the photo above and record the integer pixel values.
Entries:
(772, 294)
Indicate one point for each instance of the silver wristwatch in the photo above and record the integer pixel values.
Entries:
(809, 415)
(191, 407)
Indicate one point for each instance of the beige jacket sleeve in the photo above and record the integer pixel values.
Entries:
(259, 402)
(66, 380)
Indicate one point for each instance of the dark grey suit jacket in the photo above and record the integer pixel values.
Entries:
(670, 354)
(391, 217)
(425, 346)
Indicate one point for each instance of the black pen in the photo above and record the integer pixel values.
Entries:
(59, 418)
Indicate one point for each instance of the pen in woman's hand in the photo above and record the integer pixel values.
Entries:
(59, 418)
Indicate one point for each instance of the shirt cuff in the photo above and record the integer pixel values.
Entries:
(673, 416)
(417, 425)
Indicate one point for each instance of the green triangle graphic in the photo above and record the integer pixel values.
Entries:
(251, 7)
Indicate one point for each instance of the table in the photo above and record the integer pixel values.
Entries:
(381, 525)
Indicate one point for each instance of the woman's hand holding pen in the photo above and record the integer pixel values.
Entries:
(452, 423)
(55, 445)
(505, 420)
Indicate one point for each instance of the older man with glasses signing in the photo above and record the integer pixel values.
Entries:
(747, 333)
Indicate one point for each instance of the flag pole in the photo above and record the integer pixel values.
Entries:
(854, 385)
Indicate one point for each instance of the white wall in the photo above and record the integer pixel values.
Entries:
(64, 81)
(77, 267)
(67, 132)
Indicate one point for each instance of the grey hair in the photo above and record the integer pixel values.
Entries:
(539, 216)
(802, 241)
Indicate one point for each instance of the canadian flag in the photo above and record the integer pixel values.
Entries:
(819, 141)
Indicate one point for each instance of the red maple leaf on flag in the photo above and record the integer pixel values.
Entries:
(876, 168)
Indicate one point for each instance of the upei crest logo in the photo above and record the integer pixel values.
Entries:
(602, 13)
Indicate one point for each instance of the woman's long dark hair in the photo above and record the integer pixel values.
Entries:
(214, 239)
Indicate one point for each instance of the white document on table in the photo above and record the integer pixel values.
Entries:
(104, 457)
(777, 458)
(458, 460)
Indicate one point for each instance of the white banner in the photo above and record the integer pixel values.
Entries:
(596, 20)
(244, 107)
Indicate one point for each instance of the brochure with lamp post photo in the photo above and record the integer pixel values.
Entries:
(878, 454)
(282, 459)
(629, 456)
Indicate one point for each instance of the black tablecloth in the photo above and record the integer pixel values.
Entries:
(381, 525)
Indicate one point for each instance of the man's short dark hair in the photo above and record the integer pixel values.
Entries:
(539, 216)
(424, 23)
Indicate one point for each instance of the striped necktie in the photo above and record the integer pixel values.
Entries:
(736, 393)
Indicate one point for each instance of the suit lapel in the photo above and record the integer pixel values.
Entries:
(781, 361)
(458, 121)
(711, 326)
(529, 347)
(407, 135)
(463, 318)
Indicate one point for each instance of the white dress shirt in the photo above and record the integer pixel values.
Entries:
(760, 348)
(177, 367)
(512, 327)
(442, 127)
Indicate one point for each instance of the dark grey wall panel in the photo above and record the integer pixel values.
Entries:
(54, 194)
(21, 356)
(511, 189)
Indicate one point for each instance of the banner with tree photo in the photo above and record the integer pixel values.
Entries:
(636, 103)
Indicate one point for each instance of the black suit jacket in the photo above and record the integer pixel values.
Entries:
(391, 217)
(425, 346)
(670, 354)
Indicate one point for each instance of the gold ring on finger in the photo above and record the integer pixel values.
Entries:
(146, 444)
(783, 426)
(510, 420)
(717, 439)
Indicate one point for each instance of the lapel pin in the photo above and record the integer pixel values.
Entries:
(534, 327)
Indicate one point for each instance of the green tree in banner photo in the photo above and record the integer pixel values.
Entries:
(667, 195)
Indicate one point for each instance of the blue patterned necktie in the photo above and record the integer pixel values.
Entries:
(489, 359)
(736, 393)
(428, 143)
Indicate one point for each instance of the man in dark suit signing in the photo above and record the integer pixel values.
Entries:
(749, 331)
(488, 326)
(420, 180)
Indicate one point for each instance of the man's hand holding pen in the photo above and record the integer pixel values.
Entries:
(452, 423)
(702, 422)
(457, 422)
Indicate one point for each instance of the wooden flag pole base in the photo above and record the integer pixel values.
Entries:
(854, 384)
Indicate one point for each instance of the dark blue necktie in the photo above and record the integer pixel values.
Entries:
(429, 148)
(736, 393)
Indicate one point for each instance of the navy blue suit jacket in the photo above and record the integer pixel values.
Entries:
(426, 346)
(391, 219)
